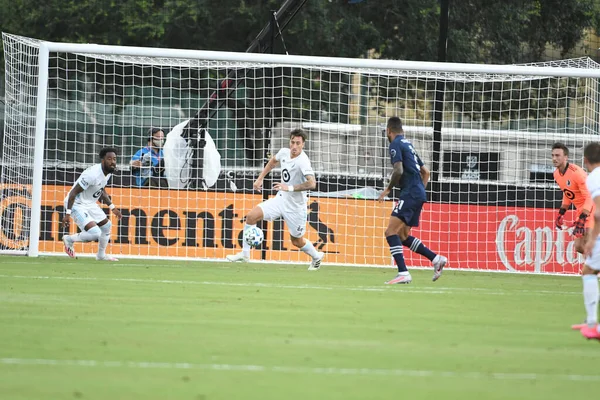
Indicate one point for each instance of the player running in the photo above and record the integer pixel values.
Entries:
(411, 176)
(591, 267)
(81, 204)
(290, 202)
(571, 180)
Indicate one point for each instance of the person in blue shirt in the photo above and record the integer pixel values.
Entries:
(147, 164)
(411, 176)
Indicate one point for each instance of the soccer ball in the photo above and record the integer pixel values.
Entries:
(253, 236)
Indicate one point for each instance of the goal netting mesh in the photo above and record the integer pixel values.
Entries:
(491, 202)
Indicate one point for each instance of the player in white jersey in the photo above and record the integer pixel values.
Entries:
(589, 274)
(290, 202)
(81, 205)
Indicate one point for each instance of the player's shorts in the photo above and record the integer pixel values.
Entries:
(408, 210)
(295, 218)
(594, 260)
(84, 214)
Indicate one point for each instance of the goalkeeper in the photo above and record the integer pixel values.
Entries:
(571, 180)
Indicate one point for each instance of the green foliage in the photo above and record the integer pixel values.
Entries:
(481, 31)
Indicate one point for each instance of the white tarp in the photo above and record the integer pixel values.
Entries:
(178, 159)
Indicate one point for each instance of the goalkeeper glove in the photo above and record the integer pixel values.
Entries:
(560, 219)
(579, 225)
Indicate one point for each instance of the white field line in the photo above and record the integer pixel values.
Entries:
(300, 370)
(280, 264)
(382, 288)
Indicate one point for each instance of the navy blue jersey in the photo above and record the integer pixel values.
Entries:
(411, 185)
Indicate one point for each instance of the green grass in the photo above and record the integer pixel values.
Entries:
(200, 330)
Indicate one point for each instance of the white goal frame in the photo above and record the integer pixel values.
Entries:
(46, 48)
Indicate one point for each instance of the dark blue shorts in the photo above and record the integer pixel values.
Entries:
(408, 210)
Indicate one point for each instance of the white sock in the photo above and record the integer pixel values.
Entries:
(87, 236)
(104, 238)
(590, 298)
(309, 249)
(245, 246)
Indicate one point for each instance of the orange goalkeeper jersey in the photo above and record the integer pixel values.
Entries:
(572, 184)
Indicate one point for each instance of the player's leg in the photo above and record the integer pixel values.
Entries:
(580, 242)
(391, 236)
(589, 286)
(415, 244)
(90, 231)
(410, 213)
(296, 223)
(589, 275)
(105, 226)
(267, 210)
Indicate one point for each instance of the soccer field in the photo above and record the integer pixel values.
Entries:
(201, 330)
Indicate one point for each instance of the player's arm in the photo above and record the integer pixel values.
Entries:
(70, 201)
(394, 179)
(105, 198)
(136, 160)
(396, 175)
(268, 168)
(309, 184)
(585, 193)
(425, 174)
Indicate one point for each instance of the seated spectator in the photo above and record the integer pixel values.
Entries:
(147, 164)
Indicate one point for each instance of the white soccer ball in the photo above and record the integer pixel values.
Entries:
(254, 236)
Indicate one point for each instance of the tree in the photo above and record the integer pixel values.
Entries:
(480, 30)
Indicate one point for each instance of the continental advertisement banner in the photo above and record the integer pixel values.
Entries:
(197, 224)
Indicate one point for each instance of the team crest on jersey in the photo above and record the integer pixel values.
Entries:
(568, 182)
(393, 152)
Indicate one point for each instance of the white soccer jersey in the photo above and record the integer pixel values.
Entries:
(294, 172)
(93, 181)
(593, 183)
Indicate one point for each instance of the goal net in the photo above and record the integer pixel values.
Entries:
(487, 139)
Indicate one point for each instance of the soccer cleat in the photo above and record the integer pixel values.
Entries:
(590, 333)
(578, 327)
(69, 246)
(401, 278)
(438, 267)
(107, 258)
(239, 257)
(315, 264)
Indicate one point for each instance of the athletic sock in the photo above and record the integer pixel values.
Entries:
(396, 250)
(417, 246)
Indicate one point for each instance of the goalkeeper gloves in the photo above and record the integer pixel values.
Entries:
(579, 225)
(560, 219)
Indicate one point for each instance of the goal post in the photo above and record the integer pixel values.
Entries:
(491, 208)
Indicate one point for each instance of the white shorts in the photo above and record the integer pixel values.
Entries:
(294, 218)
(84, 214)
(594, 260)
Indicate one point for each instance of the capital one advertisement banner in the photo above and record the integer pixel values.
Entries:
(198, 224)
